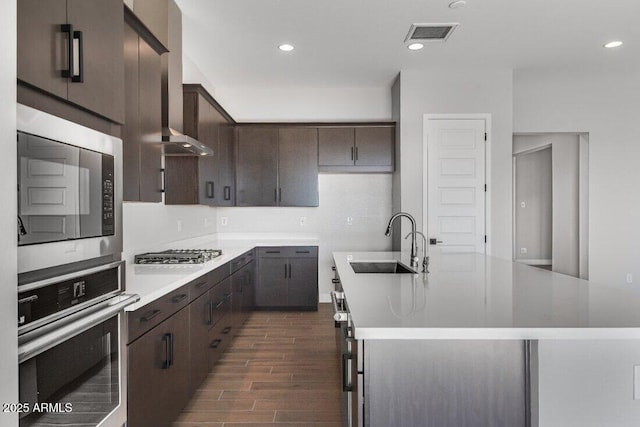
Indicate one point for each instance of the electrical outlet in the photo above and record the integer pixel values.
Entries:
(523, 250)
(224, 221)
(636, 382)
(179, 225)
(303, 221)
(349, 220)
(629, 278)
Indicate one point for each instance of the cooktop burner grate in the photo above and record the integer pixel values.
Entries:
(178, 256)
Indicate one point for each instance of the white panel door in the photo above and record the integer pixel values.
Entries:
(456, 184)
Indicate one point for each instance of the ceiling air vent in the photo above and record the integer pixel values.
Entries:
(430, 32)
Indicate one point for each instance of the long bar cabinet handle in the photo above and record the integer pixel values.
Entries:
(78, 78)
(68, 29)
(49, 340)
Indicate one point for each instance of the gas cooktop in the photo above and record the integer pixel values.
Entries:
(178, 256)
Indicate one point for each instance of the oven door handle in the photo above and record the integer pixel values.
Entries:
(338, 315)
(49, 340)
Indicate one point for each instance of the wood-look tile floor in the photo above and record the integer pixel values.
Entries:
(282, 369)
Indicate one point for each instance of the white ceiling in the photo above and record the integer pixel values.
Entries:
(360, 43)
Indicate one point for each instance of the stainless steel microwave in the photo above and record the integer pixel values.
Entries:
(69, 192)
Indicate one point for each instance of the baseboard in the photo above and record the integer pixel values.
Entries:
(534, 261)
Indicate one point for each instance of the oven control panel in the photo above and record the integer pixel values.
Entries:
(53, 298)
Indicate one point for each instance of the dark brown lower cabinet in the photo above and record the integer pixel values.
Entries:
(303, 283)
(200, 321)
(158, 373)
(222, 330)
(174, 344)
(242, 288)
(272, 288)
(287, 278)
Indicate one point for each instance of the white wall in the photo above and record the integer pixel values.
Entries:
(191, 73)
(272, 104)
(149, 226)
(459, 91)
(606, 105)
(8, 213)
(366, 198)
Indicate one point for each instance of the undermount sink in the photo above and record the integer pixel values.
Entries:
(388, 267)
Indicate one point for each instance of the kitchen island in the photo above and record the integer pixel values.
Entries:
(459, 346)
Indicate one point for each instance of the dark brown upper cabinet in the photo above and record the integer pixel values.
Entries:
(257, 166)
(298, 166)
(277, 166)
(205, 180)
(72, 49)
(142, 132)
(356, 149)
(155, 16)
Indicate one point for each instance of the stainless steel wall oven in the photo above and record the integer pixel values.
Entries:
(72, 360)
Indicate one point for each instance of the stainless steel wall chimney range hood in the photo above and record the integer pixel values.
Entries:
(175, 142)
(178, 143)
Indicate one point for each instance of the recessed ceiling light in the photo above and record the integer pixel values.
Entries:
(615, 43)
(457, 4)
(286, 47)
(415, 46)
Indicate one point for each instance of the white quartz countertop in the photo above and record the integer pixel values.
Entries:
(152, 281)
(473, 296)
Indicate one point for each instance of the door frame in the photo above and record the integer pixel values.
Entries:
(487, 168)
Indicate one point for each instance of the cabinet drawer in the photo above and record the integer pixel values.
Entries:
(241, 261)
(199, 287)
(219, 339)
(220, 273)
(221, 300)
(145, 318)
(288, 251)
(207, 281)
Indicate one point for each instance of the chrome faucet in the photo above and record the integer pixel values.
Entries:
(414, 247)
(425, 258)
